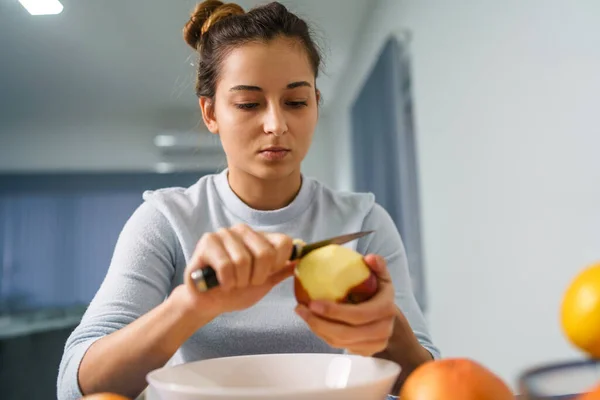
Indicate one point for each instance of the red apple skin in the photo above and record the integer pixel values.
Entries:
(300, 293)
(358, 294)
(363, 291)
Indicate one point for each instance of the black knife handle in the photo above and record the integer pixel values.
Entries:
(205, 278)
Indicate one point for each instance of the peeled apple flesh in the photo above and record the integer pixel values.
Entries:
(334, 273)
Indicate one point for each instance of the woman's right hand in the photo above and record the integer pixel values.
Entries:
(248, 265)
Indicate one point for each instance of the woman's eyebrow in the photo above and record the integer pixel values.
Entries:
(251, 88)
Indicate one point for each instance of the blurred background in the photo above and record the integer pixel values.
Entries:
(475, 123)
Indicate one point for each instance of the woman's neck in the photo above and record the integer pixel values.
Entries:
(262, 194)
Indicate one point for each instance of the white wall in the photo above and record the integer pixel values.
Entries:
(88, 145)
(122, 145)
(318, 162)
(507, 96)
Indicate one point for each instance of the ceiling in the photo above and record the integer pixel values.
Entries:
(127, 58)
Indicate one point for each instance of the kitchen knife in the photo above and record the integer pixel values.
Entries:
(205, 278)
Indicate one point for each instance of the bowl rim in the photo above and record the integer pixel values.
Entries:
(254, 391)
(550, 367)
(539, 370)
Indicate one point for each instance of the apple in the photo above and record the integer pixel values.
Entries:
(334, 273)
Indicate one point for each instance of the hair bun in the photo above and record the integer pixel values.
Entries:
(204, 16)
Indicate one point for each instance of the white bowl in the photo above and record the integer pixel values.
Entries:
(276, 376)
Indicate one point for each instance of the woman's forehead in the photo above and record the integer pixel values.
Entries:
(276, 63)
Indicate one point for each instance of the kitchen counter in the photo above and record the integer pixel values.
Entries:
(28, 323)
(31, 344)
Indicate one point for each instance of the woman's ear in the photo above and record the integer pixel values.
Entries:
(318, 97)
(208, 114)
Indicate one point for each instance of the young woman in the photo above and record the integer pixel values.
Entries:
(256, 85)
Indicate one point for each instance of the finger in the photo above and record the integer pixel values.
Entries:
(239, 255)
(282, 274)
(263, 254)
(379, 266)
(380, 306)
(210, 251)
(283, 245)
(345, 335)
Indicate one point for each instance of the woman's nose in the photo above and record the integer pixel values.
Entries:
(275, 122)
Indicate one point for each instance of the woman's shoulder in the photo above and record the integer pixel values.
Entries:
(172, 211)
(345, 201)
(353, 206)
(180, 201)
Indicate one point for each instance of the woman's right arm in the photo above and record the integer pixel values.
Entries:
(114, 335)
(119, 362)
(129, 329)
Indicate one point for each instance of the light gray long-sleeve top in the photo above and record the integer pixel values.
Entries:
(158, 240)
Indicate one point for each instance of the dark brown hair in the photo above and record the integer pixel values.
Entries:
(216, 28)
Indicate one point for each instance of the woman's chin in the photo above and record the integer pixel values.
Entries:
(274, 171)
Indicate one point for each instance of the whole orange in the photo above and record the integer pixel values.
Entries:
(454, 379)
(593, 395)
(580, 311)
(104, 396)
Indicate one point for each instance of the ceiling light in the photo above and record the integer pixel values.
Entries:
(42, 7)
(164, 168)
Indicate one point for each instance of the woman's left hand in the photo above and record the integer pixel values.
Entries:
(362, 329)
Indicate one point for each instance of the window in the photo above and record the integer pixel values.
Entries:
(384, 150)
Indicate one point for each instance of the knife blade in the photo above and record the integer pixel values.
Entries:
(205, 278)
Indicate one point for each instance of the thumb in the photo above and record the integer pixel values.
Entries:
(379, 266)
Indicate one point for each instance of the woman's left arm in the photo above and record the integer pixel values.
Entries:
(390, 325)
(403, 345)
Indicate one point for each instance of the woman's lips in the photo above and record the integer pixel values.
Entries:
(274, 153)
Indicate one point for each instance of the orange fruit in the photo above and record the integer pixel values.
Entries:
(104, 396)
(593, 395)
(454, 379)
(580, 311)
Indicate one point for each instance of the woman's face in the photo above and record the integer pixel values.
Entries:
(265, 108)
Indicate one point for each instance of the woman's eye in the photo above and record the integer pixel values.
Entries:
(246, 106)
(251, 106)
(297, 104)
